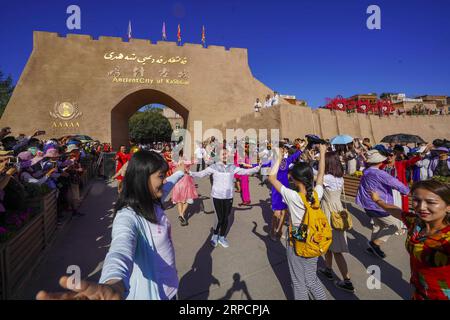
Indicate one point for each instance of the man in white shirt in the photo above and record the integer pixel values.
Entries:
(275, 99)
(257, 105)
(200, 156)
(222, 192)
(268, 102)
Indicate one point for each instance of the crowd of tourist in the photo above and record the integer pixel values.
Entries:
(306, 178)
(28, 162)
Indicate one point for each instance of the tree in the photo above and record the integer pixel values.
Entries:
(148, 126)
(6, 90)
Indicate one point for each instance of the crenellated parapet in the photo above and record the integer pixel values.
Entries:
(46, 38)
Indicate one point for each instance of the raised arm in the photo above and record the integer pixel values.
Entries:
(293, 157)
(321, 173)
(274, 171)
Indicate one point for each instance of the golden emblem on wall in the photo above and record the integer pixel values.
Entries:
(65, 111)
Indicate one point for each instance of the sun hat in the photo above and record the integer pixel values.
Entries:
(25, 156)
(27, 159)
(441, 149)
(51, 153)
(374, 156)
(6, 152)
(71, 148)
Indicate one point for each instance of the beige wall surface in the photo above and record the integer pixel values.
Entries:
(295, 122)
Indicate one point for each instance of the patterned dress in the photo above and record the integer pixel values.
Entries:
(167, 155)
(430, 261)
(184, 191)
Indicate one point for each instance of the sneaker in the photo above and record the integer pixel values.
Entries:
(223, 242)
(214, 240)
(183, 221)
(327, 273)
(345, 285)
(375, 250)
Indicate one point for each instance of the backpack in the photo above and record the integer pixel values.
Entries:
(314, 235)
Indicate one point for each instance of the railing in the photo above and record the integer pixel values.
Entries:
(21, 254)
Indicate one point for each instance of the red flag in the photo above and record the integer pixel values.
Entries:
(179, 34)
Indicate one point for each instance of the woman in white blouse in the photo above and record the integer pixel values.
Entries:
(333, 183)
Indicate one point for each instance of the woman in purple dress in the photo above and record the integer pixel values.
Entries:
(278, 206)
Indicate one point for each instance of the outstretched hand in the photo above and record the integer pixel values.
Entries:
(86, 291)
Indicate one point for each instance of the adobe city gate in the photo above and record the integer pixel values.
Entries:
(76, 84)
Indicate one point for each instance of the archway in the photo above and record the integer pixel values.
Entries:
(131, 103)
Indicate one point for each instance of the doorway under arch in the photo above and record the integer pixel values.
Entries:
(131, 103)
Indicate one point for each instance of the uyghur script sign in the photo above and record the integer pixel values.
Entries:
(148, 59)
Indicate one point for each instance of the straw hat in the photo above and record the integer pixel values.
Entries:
(374, 156)
(28, 160)
(52, 153)
(6, 152)
(71, 148)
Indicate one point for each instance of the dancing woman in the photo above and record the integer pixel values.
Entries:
(140, 264)
(303, 270)
(184, 192)
(222, 192)
(278, 205)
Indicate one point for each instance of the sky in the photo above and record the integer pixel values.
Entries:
(313, 49)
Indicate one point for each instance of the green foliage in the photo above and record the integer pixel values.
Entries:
(149, 125)
(6, 90)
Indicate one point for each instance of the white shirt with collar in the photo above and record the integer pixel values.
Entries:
(223, 178)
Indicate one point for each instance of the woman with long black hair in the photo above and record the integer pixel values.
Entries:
(303, 270)
(428, 240)
(140, 264)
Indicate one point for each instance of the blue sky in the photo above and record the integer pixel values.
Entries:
(311, 49)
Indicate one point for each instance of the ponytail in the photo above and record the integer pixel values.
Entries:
(309, 193)
(303, 172)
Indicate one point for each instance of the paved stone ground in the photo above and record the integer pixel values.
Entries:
(254, 267)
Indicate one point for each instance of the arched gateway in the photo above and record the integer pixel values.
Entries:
(76, 84)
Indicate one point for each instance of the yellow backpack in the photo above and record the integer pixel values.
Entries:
(314, 235)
